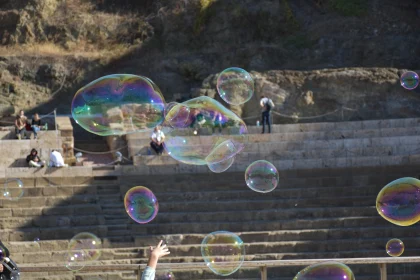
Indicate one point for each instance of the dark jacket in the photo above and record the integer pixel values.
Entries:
(38, 122)
(32, 157)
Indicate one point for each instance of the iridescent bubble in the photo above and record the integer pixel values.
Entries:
(118, 104)
(141, 204)
(178, 118)
(199, 138)
(326, 271)
(164, 275)
(223, 252)
(88, 243)
(13, 189)
(409, 80)
(261, 176)
(235, 86)
(220, 167)
(394, 247)
(399, 201)
(75, 260)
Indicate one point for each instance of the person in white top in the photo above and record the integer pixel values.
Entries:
(158, 137)
(56, 159)
(267, 105)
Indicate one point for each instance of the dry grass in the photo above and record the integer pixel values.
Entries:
(79, 49)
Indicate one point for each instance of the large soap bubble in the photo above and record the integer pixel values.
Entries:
(394, 247)
(75, 260)
(261, 176)
(13, 189)
(118, 104)
(202, 131)
(141, 204)
(409, 80)
(88, 243)
(326, 271)
(399, 201)
(223, 252)
(235, 86)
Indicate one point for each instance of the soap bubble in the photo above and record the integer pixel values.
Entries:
(235, 86)
(223, 252)
(399, 201)
(198, 139)
(88, 243)
(394, 247)
(222, 166)
(13, 189)
(118, 104)
(330, 270)
(166, 275)
(261, 176)
(75, 260)
(409, 80)
(141, 204)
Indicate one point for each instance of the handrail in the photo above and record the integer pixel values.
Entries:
(263, 265)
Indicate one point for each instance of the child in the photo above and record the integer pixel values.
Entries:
(156, 253)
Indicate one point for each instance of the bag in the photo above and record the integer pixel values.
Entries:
(269, 105)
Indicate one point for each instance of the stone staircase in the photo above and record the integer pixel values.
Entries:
(324, 209)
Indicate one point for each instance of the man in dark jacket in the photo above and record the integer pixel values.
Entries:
(8, 268)
(33, 159)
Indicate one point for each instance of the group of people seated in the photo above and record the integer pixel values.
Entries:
(22, 125)
(56, 159)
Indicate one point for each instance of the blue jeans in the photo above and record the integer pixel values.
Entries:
(266, 119)
(35, 129)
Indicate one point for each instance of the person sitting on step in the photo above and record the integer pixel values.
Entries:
(158, 137)
(8, 268)
(37, 126)
(33, 159)
(155, 254)
(20, 127)
(56, 159)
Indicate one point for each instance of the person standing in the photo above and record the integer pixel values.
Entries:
(266, 104)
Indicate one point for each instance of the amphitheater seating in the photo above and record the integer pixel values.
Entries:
(324, 206)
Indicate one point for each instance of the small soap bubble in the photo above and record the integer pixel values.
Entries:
(261, 176)
(235, 86)
(88, 243)
(409, 80)
(223, 252)
(141, 204)
(75, 260)
(399, 201)
(164, 275)
(394, 247)
(118, 104)
(326, 271)
(197, 139)
(13, 189)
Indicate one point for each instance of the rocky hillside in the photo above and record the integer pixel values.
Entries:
(50, 48)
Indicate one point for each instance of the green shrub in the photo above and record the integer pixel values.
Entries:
(349, 7)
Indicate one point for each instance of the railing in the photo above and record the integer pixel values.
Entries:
(262, 265)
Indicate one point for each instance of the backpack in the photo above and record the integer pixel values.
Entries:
(269, 105)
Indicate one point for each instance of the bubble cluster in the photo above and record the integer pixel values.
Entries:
(235, 86)
(201, 131)
(164, 275)
(399, 201)
(118, 104)
(75, 260)
(223, 252)
(261, 176)
(13, 189)
(141, 204)
(394, 247)
(87, 243)
(326, 271)
(409, 80)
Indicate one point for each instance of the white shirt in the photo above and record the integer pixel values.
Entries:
(264, 101)
(158, 136)
(56, 159)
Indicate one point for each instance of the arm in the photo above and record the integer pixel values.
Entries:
(156, 253)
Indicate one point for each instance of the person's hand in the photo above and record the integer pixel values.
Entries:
(156, 253)
(159, 251)
(1, 268)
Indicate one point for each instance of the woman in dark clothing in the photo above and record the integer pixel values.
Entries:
(36, 125)
(33, 159)
(8, 268)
